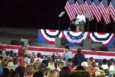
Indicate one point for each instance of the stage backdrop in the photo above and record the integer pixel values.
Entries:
(75, 38)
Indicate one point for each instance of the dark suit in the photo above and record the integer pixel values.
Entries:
(78, 59)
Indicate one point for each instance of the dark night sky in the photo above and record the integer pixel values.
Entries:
(31, 13)
(37, 14)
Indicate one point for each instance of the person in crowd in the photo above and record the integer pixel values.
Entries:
(81, 71)
(69, 62)
(38, 58)
(11, 53)
(8, 54)
(61, 65)
(43, 68)
(100, 62)
(65, 72)
(78, 57)
(32, 61)
(112, 66)
(29, 71)
(80, 21)
(21, 62)
(27, 59)
(22, 51)
(54, 56)
(15, 64)
(59, 57)
(33, 55)
(53, 73)
(10, 64)
(56, 65)
(38, 74)
(94, 68)
(45, 62)
(1, 70)
(91, 60)
(67, 54)
(4, 53)
(104, 65)
(20, 70)
(13, 74)
(5, 72)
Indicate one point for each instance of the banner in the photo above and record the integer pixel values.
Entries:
(75, 38)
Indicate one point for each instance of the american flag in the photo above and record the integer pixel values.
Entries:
(81, 4)
(88, 9)
(76, 7)
(112, 9)
(69, 9)
(95, 11)
(104, 11)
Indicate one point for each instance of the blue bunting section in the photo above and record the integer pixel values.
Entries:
(75, 38)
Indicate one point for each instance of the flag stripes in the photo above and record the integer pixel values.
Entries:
(98, 10)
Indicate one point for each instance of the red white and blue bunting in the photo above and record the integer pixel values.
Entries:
(75, 37)
(105, 38)
(48, 36)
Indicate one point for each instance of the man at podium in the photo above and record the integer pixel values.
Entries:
(80, 21)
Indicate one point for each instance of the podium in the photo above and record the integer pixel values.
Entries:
(79, 24)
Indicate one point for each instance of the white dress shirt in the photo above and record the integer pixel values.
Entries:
(81, 18)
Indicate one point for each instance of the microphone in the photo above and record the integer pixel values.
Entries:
(61, 14)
